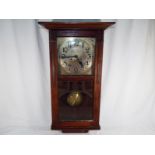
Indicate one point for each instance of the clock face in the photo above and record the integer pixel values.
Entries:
(76, 55)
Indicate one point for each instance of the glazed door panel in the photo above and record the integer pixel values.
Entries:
(87, 84)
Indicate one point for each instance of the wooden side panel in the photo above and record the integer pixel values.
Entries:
(98, 74)
(54, 82)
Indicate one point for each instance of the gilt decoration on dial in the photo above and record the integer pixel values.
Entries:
(76, 55)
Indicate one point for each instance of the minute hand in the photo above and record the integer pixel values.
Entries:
(74, 56)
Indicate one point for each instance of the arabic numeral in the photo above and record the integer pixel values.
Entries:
(89, 55)
(63, 56)
(82, 44)
(87, 49)
(65, 63)
(65, 49)
(76, 43)
(69, 45)
(75, 69)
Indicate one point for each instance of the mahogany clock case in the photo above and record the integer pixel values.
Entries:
(85, 116)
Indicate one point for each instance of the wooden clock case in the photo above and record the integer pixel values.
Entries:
(63, 117)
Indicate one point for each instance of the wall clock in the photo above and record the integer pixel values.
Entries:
(76, 63)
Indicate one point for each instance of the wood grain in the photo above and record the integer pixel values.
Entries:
(82, 25)
(57, 29)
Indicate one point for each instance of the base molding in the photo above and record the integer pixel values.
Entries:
(75, 130)
(72, 129)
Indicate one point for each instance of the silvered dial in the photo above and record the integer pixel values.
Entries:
(76, 55)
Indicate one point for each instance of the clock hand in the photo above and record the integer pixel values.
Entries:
(80, 62)
(74, 56)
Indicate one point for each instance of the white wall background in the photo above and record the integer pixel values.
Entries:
(128, 84)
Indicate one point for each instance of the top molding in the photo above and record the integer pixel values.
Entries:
(72, 25)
